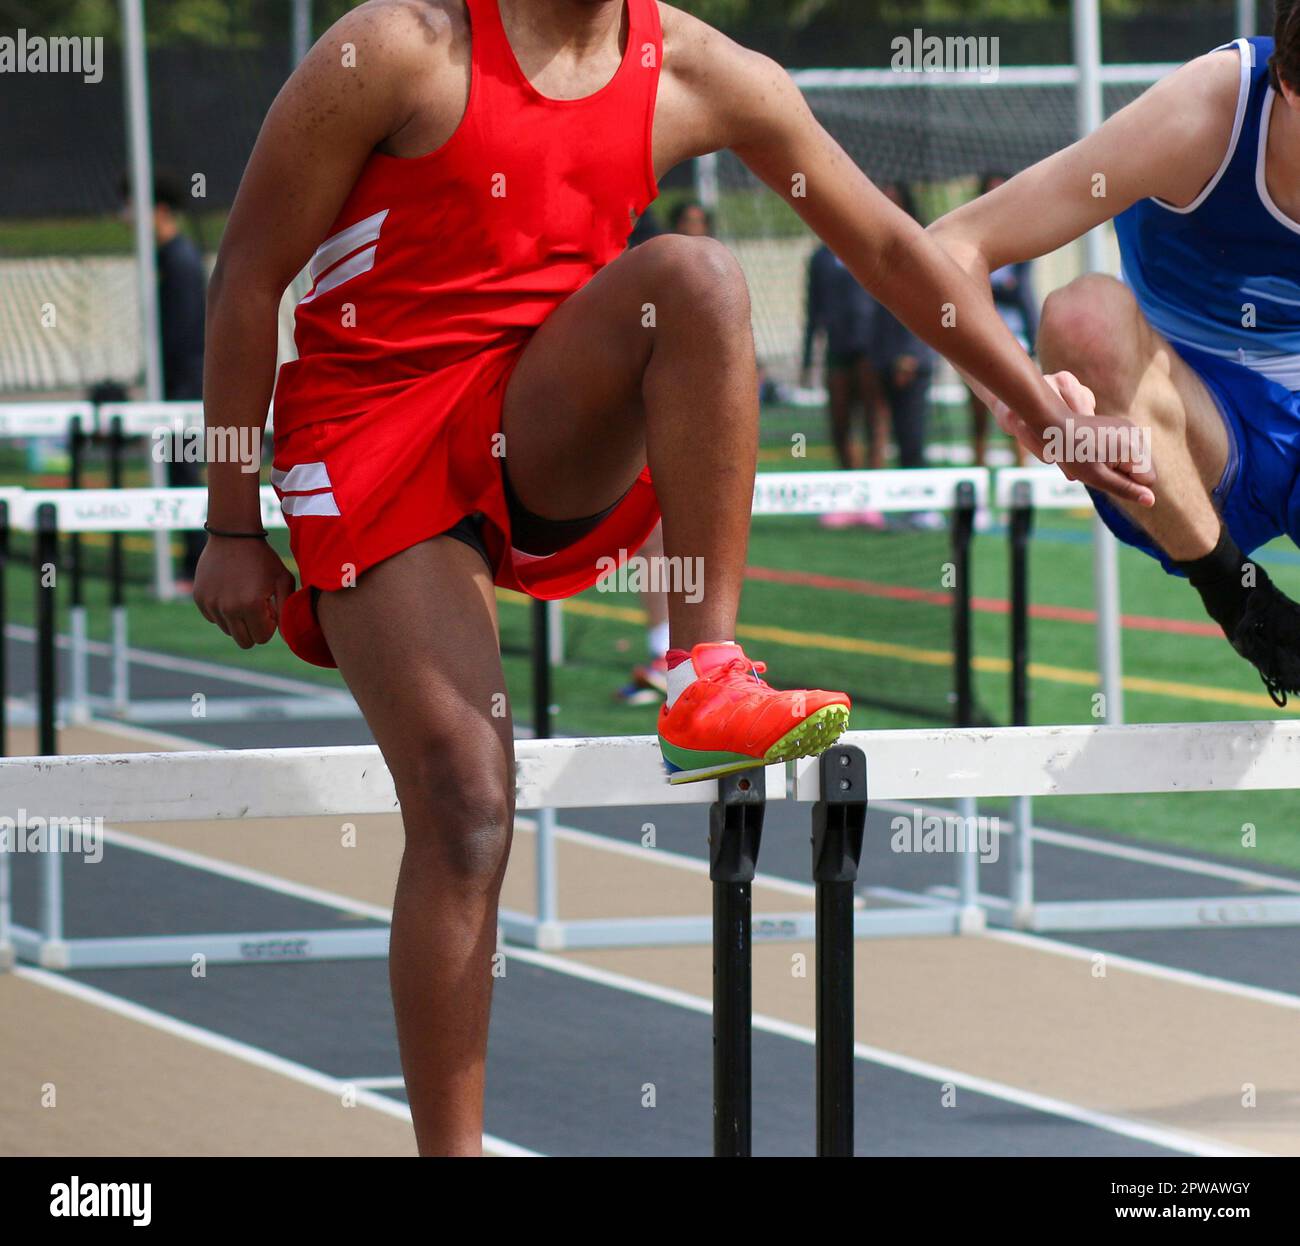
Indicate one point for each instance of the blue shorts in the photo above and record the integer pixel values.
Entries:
(1257, 495)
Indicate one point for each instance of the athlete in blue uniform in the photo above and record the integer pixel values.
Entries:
(1199, 346)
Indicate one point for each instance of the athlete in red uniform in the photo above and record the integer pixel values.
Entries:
(485, 382)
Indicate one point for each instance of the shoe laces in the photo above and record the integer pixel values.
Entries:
(742, 668)
(1277, 692)
(1266, 644)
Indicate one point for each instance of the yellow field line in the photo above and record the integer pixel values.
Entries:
(936, 657)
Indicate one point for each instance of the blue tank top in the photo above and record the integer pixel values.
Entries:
(1203, 272)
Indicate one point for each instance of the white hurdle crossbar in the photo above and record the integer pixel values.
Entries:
(627, 771)
(124, 789)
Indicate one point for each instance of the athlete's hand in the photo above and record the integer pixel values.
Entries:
(1107, 453)
(241, 585)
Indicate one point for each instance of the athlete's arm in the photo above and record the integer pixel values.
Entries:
(748, 103)
(1167, 143)
(347, 97)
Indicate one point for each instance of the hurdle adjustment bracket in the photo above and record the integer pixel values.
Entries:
(839, 820)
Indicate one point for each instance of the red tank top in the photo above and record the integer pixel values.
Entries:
(434, 260)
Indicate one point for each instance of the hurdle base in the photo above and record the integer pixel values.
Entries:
(589, 933)
(8, 957)
(251, 948)
(52, 954)
(1193, 913)
(971, 920)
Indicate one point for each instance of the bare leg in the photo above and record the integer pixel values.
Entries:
(416, 642)
(655, 603)
(979, 426)
(875, 415)
(653, 357)
(839, 396)
(1094, 329)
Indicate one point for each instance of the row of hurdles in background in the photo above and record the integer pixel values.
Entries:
(49, 515)
(965, 492)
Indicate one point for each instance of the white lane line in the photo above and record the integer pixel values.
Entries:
(195, 666)
(339, 900)
(1166, 860)
(256, 1056)
(1142, 1131)
(144, 735)
(245, 874)
(1149, 969)
(681, 999)
(1125, 852)
(662, 856)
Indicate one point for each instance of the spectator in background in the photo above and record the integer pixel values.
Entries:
(844, 313)
(182, 298)
(647, 226)
(903, 365)
(1013, 296)
(692, 218)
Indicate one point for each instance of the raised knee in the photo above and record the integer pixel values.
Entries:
(458, 819)
(1087, 328)
(699, 273)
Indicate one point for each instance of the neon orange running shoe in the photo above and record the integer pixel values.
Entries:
(729, 719)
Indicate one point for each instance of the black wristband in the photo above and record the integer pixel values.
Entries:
(252, 536)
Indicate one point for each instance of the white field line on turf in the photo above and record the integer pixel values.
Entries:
(1124, 852)
(1156, 1135)
(249, 1054)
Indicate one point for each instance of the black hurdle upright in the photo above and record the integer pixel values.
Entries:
(839, 818)
(735, 829)
(116, 566)
(541, 671)
(1020, 530)
(47, 671)
(77, 436)
(4, 623)
(963, 528)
